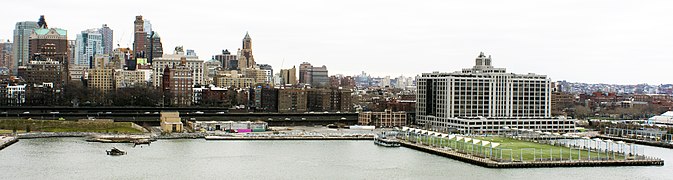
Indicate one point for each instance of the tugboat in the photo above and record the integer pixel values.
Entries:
(382, 140)
(115, 152)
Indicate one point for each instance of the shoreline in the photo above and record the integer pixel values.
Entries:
(35, 135)
(484, 162)
(6, 144)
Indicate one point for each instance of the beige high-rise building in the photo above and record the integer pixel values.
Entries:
(232, 78)
(101, 79)
(288, 76)
(255, 73)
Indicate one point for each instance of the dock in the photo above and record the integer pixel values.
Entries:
(485, 162)
(7, 141)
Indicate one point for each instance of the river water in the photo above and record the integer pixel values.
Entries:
(74, 158)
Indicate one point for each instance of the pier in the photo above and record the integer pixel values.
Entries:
(485, 162)
(7, 141)
(524, 149)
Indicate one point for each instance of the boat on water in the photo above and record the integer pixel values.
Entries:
(384, 141)
(115, 152)
(141, 142)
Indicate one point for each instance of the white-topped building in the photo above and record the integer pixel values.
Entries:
(484, 99)
(89, 43)
(172, 60)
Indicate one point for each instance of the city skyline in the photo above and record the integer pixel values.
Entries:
(578, 41)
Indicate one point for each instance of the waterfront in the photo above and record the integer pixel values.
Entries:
(67, 158)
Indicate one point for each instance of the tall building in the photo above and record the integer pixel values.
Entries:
(6, 54)
(147, 26)
(72, 45)
(289, 76)
(108, 45)
(229, 61)
(484, 99)
(211, 67)
(172, 60)
(245, 58)
(314, 76)
(304, 76)
(291, 100)
(177, 83)
(268, 73)
(101, 79)
(89, 43)
(20, 48)
(269, 100)
(317, 100)
(154, 47)
(319, 77)
(51, 45)
(139, 37)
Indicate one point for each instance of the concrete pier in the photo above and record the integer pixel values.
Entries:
(7, 141)
(528, 164)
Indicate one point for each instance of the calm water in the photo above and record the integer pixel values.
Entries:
(73, 158)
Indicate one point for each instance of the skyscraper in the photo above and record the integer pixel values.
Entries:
(245, 59)
(304, 77)
(89, 44)
(139, 37)
(484, 99)
(108, 45)
(20, 48)
(48, 65)
(314, 76)
(154, 47)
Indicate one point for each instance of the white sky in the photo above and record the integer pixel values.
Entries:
(597, 41)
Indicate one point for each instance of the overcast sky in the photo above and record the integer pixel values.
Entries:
(607, 41)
